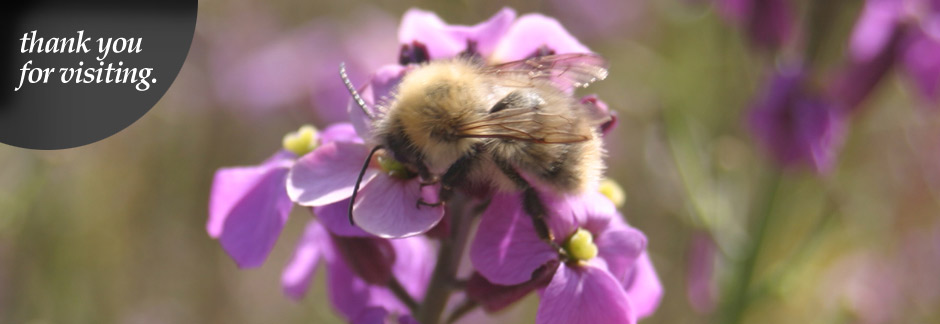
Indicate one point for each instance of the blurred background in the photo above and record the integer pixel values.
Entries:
(114, 232)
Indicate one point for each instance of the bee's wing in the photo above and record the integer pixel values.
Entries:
(531, 125)
(566, 71)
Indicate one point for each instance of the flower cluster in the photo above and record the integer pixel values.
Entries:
(801, 117)
(381, 265)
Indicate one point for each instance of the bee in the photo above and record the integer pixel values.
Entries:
(510, 127)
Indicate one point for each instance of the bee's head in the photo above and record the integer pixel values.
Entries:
(431, 103)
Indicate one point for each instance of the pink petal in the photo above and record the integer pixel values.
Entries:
(620, 247)
(494, 297)
(335, 217)
(590, 210)
(371, 315)
(444, 41)
(922, 62)
(584, 295)
(269, 77)
(339, 132)
(387, 207)
(302, 267)
(350, 295)
(375, 93)
(506, 249)
(384, 81)
(487, 34)
(414, 262)
(328, 174)
(874, 29)
(428, 29)
(645, 291)
(531, 32)
(248, 208)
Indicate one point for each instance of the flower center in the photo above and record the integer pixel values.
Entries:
(302, 141)
(580, 246)
(394, 168)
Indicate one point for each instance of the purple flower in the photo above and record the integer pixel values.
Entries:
(769, 23)
(602, 275)
(248, 206)
(700, 287)
(795, 125)
(355, 295)
(905, 33)
(278, 70)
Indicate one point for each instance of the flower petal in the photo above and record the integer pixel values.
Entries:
(384, 81)
(494, 297)
(485, 35)
(620, 246)
(302, 267)
(874, 29)
(444, 41)
(350, 295)
(797, 127)
(590, 210)
(248, 208)
(335, 217)
(339, 132)
(584, 295)
(388, 207)
(429, 29)
(371, 315)
(379, 88)
(328, 174)
(645, 290)
(530, 33)
(506, 249)
(922, 63)
(414, 262)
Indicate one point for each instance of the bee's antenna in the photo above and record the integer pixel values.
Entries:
(352, 200)
(352, 90)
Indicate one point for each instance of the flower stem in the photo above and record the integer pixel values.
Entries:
(448, 260)
(739, 298)
(395, 286)
(462, 309)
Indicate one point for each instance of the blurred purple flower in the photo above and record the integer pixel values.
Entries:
(357, 297)
(248, 206)
(502, 38)
(905, 33)
(769, 23)
(795, 125)
(603, 276)
(298, 65)
(700, 287)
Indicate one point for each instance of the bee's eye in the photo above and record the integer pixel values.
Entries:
(416, 53)
(543, 50)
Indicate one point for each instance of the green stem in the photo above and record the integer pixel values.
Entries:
(739, 298)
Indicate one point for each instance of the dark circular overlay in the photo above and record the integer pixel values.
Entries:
(60, 111)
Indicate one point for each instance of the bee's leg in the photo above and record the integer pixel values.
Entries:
(531, 203)
(421, 202)
(431, 180)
